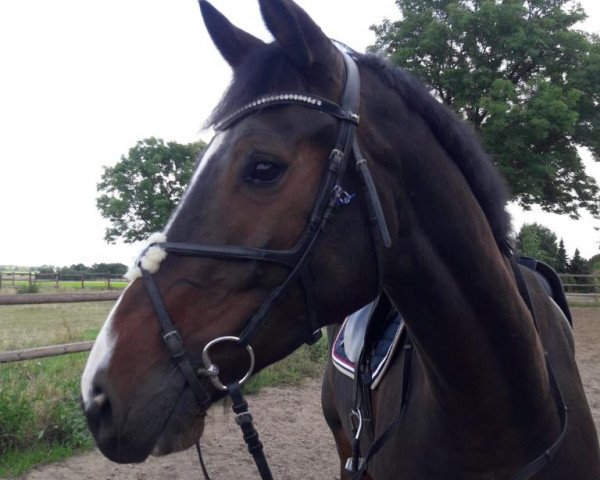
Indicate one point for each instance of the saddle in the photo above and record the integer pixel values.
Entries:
(350, 341)
(380, 326)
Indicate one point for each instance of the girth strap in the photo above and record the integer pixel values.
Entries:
(392, 427)
(561, 408)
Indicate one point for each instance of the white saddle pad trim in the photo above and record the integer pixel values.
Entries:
(379, 371)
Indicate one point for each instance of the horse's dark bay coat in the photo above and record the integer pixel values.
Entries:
(480, 405)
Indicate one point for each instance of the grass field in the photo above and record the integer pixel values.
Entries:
(40, 418)
(24, 326)
(64, 286)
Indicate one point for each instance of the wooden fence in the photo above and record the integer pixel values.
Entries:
(584, 288)
(32, 278)
(53, 350)
(577, 287)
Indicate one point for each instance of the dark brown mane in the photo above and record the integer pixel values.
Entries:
(456, 137)
(266, 68)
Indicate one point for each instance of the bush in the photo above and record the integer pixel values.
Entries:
(28, 288)
(40, 416)
(306, 362)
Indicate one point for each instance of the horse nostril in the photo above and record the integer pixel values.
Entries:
(98, 409)
(99, 401)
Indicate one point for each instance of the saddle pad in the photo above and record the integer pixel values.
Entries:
(384, 349)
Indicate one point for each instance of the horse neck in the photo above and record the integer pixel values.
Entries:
(456, 291)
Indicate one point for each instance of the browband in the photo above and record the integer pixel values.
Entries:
(271, 100)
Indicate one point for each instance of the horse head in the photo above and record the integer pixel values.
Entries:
(265, 247)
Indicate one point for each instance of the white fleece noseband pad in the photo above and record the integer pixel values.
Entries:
(151, 257)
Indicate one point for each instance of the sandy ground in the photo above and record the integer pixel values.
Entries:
(297, 441)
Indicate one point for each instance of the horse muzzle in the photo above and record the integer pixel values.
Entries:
(162, 417)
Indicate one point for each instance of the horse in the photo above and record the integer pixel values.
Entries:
(335, 179)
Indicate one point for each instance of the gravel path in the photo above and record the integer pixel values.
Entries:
(297, 441)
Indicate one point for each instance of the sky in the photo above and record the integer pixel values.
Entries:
(81, 82)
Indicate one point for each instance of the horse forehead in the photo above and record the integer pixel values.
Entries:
(210, 156)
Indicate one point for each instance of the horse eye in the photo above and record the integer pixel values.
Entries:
(263, 172)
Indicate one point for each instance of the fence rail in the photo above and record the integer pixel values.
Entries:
(15, 278)
(35, 298)
(44, 352)
(576, 286)
(581, 287)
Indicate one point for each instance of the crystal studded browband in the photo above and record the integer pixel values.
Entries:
(311, 101)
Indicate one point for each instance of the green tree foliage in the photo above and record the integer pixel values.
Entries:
(138, 194)
(578, 265)
(525, 79)
(594, 263)
(75, 268)
(45, 269)
(536, 241)
(112, 268)
(100, 268)
(562, 260)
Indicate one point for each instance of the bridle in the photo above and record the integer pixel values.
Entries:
(330, 197)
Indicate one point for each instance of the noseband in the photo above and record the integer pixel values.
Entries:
(330, 196)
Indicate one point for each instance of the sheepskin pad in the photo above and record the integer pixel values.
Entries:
(150, 257)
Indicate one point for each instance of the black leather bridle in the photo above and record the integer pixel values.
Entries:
(330, 196)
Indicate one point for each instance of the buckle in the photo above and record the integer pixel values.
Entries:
(356, 422)
(350, 464)
(174, 344)
(243, 418)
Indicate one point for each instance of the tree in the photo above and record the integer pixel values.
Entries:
(522, 76)
(138, 194)
(536, 241)
(594, 263)
(112, 268)
(562, 260)
(45, 270)
(578, 264)
(75, 269)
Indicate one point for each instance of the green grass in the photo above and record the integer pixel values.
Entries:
(40, 418)
(64, 286)
(307, 361)
(24, 326)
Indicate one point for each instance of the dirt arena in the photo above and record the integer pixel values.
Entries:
(297, 441)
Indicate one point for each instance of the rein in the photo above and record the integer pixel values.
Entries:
(330, 197)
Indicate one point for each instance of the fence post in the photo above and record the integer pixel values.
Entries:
(109, 276)
(30, 276)
(82, 280)
(1, 273)
(57, 275)
(13, 278)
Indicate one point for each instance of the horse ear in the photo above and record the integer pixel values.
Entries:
(300, 37)
(233, 43)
